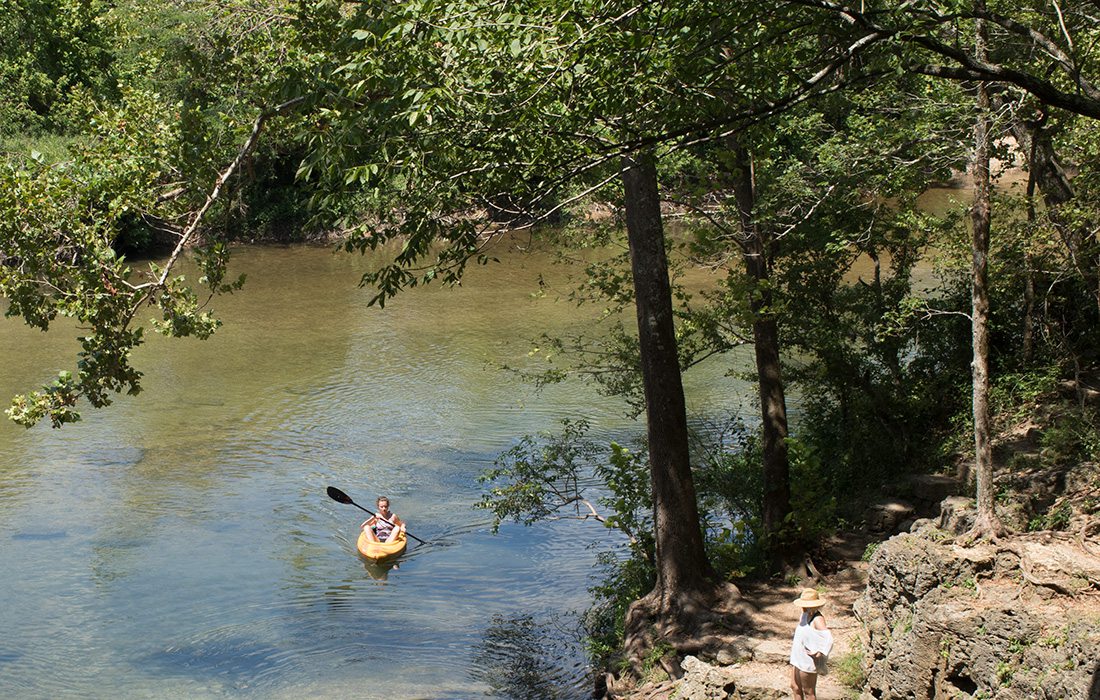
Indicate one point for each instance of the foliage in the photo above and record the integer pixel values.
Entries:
(132, 138)
(624, 580)
(567, 475)
(849, 668)
(59, 224)
(1013, 394)
(63, 226)
(813, 504)
(428, 128)
(1059, 517)
(730, 484)
(1042, 249)
(869, 551)
(1071, 436)
(610, 358)
(731, 489)
(541, 477)
(55, 55)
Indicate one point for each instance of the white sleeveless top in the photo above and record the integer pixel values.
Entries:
(808, 640)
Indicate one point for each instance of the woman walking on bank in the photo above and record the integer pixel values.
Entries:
(811, 646)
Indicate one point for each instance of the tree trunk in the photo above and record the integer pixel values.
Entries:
(765, 332)
(987, 523)
(681, 561)
(687, 604)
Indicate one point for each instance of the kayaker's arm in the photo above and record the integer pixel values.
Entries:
(373, 520)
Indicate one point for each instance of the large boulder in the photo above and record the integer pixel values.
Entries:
(942, 621)
(888, 515)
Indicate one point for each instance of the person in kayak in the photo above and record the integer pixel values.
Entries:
(384, 526)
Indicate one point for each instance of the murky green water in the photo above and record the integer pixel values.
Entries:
(179, 544)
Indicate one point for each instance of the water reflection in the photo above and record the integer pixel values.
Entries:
(234, 659)
(380, 572)
(524, 658)
(40, 536)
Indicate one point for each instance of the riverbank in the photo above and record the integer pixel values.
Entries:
(919, 611)
(754, 661)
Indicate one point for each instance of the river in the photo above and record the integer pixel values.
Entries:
(180, 544)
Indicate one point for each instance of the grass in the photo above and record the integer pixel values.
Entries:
(869, 552)
(849, 669)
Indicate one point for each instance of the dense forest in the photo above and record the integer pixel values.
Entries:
(790, 142)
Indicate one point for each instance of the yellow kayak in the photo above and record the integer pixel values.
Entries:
(378, 551)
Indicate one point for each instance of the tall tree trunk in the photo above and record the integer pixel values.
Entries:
(987, 523)
(765, 332)
(681, 561)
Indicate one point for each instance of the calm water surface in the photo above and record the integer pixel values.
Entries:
(179, 544)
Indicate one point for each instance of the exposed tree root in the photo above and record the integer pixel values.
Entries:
(1067, 563)
(811, 570)
(1089, 528)
(1054, 584)
(1056, 563)
(673, 625)
(987, 528)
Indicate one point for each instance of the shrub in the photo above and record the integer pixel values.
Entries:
(849, 669)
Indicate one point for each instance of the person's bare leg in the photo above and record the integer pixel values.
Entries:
(369, 532)
(796, 684)
(808, 681)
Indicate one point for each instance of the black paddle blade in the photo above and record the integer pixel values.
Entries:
(338, 495)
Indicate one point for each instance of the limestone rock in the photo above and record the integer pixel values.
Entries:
(703, 681)
(957, 514)
(942, 621)
(725, 657)
(759, 694)
(927, 491)
(886, 516)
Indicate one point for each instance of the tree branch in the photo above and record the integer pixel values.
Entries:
(150, 288)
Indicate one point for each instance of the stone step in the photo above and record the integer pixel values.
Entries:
(773, 651)
(757, 681)
(759, 693)
(752, 680)
(773, 684)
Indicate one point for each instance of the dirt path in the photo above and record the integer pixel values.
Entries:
(760, 666)
(774, 619)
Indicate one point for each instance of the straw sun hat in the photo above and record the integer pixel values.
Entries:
(810, 599)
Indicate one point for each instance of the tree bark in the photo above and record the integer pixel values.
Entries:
(765, 331)
(987, 523)
(681, 560)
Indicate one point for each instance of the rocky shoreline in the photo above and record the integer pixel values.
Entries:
(923, 614)
(941, 620)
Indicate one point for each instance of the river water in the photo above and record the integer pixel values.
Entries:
(180, 544)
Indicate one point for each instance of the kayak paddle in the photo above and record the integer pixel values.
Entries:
(341, 497)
